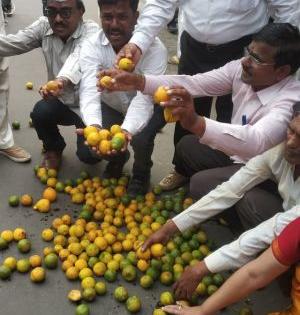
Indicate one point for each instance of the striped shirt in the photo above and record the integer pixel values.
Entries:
(97, 54)
(57, 54)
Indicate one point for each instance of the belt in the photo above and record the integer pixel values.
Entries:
(241, 42)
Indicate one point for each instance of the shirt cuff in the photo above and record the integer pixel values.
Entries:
(212, 131)
(141, 40)
(215, 262)
(92, 120)
(150, 85)
(183, 221)
(129, 127)
(73, 79)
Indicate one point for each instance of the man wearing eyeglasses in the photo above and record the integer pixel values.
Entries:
(60, 36)
(282, 164)
(263, 89)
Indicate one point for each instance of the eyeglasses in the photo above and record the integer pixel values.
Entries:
(64, 13)
(256, 59)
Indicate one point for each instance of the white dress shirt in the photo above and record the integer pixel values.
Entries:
(267, 111)
(213, 21)
(56, 52)
(269, 165)
(98, 54)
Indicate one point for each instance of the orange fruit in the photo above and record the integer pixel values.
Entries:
(52, 85)
(143, 255)
(93, 138)
(104, 134)
(104, 146)
(50, 194)
(126, 64)
(105, 81)
(115, 129)
(26, 200)
(161, 95)
(89, 129)
(51, 182)
(157, 250)
(142, 265)
(169, 117)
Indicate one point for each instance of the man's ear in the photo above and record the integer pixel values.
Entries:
(282, 72)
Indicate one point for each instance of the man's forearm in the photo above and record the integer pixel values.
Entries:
(170, 228)
(197, 125)
(250, 243)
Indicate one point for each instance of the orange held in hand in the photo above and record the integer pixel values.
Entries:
(126, 64)
(104, 146)
(52, 86)
(105, 81)
(161, 95)
(93, 138)
(105, 140)
(169, 117)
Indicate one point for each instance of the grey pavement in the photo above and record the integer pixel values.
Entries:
(20, 296)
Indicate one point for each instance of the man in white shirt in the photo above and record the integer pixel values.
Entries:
(282, 165)
(132, 110)
(7, 146)
(214, 33)
(60, 36)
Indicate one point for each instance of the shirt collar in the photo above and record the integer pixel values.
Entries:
(269, 93)
(103, 39)
(76, 34)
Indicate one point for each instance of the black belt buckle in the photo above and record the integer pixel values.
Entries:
(211, 48)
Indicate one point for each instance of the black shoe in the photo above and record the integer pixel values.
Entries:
(114, 169)
(138, 187)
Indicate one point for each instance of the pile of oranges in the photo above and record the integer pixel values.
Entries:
(104, 241)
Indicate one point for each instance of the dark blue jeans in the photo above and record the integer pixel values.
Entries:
(47, 115)
(142, 143)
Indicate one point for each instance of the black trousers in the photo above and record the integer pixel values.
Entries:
(47, 115)
(199, 58)
(142, 143)
(208, 168)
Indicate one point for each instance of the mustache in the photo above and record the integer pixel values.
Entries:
(59, 24)
(115, 31)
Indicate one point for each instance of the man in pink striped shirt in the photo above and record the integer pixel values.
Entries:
(263, 89)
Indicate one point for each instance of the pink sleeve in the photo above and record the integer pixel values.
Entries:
(213, 83)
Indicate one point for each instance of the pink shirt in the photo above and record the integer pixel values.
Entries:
(267, 111)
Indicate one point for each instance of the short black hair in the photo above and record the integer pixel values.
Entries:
(133, 3)
(286, 38)
(79, 4)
